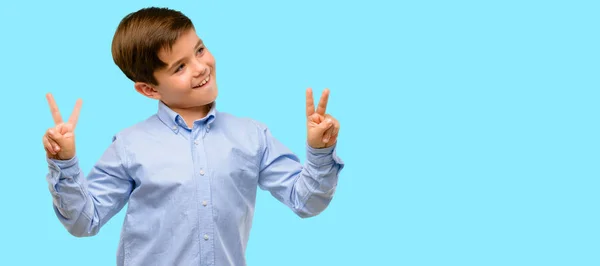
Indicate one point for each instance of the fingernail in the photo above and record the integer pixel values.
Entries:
(329, 121)
(326, 140)
(56, 148)
(51, 131)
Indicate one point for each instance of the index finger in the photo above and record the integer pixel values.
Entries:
(310, 105)
(75, 114)
(54, 109)
(323, 102)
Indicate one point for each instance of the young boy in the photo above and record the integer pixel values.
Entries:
(189, 173)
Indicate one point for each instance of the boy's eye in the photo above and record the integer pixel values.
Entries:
(180, 67)
(200, 50)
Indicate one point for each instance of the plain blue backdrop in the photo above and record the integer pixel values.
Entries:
(469, 128)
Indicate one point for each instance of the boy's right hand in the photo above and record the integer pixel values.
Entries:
(59, 141)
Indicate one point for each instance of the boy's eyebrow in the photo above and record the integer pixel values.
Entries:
(178, 62)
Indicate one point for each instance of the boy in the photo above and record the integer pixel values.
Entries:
(189, 173)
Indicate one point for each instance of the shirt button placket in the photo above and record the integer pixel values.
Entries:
(205, 212)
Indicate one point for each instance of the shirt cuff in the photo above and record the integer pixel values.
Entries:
(323, 156)
(64, 168)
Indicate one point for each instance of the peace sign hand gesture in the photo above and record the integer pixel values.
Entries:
(59, 141)
(322, 128)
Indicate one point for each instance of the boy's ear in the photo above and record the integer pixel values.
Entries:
(147, 90)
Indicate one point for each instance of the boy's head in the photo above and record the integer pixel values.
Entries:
(159, 50)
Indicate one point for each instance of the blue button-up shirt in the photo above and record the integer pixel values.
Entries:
(190, 192)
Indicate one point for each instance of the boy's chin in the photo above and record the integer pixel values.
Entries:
(206, 101)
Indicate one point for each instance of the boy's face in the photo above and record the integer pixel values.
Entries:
(189, 79)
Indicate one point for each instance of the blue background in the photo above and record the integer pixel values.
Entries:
(469, 128)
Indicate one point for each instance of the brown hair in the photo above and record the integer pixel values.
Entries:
(141, 35)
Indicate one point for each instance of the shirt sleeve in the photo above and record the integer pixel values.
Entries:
(307, 189)
(83, 205)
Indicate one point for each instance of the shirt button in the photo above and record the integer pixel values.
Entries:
(204, 203)
(201, 172)
(174, 127)
(196, 142)
(208, 126)
(205, 237)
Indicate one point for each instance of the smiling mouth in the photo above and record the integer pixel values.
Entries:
(203, 82)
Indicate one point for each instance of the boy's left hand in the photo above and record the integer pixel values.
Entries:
(322, 128)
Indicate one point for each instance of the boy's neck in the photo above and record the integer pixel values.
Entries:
(192, 114)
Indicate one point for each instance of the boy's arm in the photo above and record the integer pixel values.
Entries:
(305, 189)
(83, 205)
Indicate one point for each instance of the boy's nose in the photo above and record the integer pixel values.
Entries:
(200, 69)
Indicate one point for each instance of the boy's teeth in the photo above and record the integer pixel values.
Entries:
(203, 82)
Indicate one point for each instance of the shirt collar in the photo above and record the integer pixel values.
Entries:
(174, 121)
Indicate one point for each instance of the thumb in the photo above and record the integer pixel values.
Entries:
(55, 135)
(324, 126)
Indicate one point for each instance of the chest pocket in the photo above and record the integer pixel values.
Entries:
(236, 171)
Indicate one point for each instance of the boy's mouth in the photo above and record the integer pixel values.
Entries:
(203, 82)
